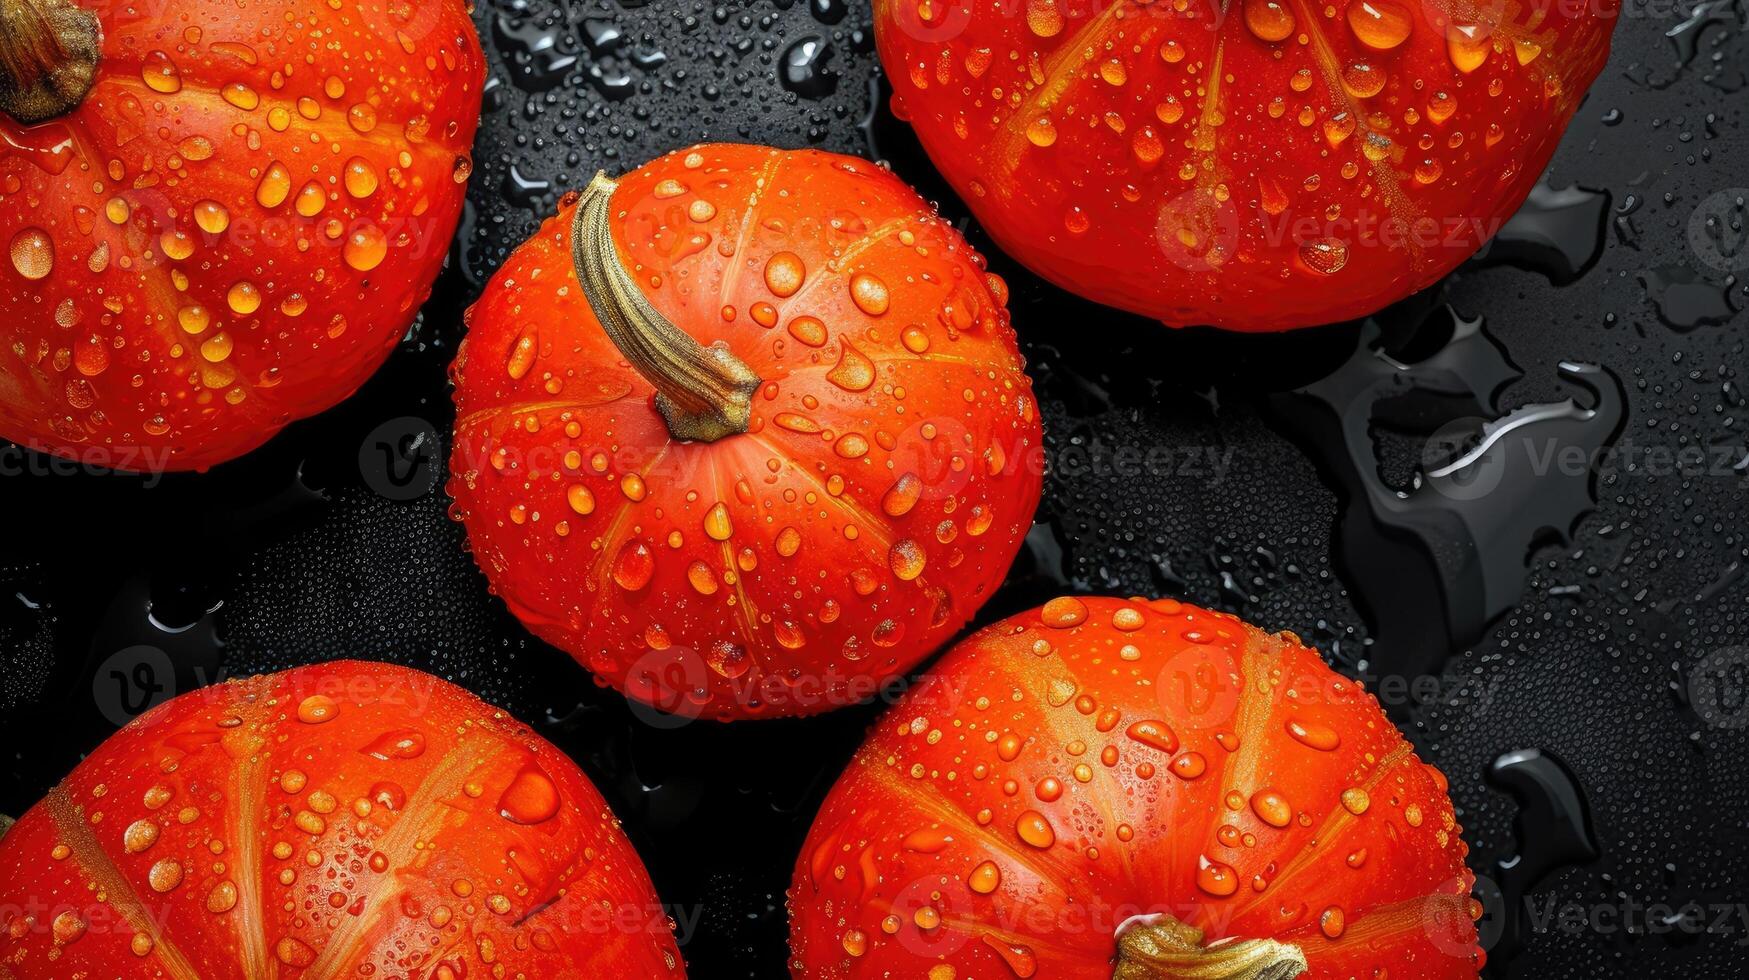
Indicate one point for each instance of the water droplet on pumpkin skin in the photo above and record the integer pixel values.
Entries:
(33, 253)
(869, 293)
(212, 217)
(531, 798)
(1041, 132)
(161, 74)
(164, 875)
(902, 496)
(68, 927)
(1063, 612)
(1314, 735)
(522, 354)
(365, 248)
(404, 743)
(1355, 800)
(1216, 878)
(785, 273)
(906, 559)
(728, 659)
(1326, 256)
(140, 835)
(1272, 808)
(809, 330)
(1035, 830)
(243, 298)
(1268, 20)
(1467, 46)
(360, 178)
(291, 952)
(317, 709)
(1380, 24)
(274, 187)
(634, 566)
(222, 898)
(854, 370)
(985, 878)
(855, 942)
(580, 499)
(1154, 734)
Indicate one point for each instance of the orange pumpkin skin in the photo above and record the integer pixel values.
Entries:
(1258, 165)
(235, 226)
(341, 820)
(889, 471)
(1096, 759)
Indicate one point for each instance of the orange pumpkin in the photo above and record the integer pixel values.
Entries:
(1102, 789)
(745, 431)
(218, 217)
(342, 820)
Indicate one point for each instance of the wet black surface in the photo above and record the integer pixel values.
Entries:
(1571, 646)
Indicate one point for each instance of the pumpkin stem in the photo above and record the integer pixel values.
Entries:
(48, 57)
(704, 393)
(1164, 948)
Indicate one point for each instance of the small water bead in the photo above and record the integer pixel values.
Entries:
(1355, 800)
(403, 743)
(634, 566)
(702, 579)
(1380, 24)
(531, 797)
(906, 559)
(317, 709)
(728, 659)
(274, 186)
(241, 96)
(1190, 765)
(165, 875)
(291, 952)
(311, 200)
(211, 217)
(1035, 830)
(1154, 734)
(1467, 46)
(902, 496)
(809, 330)
(985, 878)
(1063, 612)
(1332, 922)
(788, 542)
(1041, 132)
(33, 253)
(140, 836)
(1271, 808)
(1216, 878)
(1326, 256)
(366, 248)
(855, 942)
(1269, 20)
(854, 370)
(161, 74)
(869, 294)
(1315, 735)
(784, 274)
(1363, 80)
(222, 898)
(1043, 18)
(359, 177)
(68, 927)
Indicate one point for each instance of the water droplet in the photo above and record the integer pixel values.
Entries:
(869, 294)
(1324, 255)
(530, 798)
(365, 248)
(359, 177)
(1215, 878)
(1269, 20)
(633, 566)
(1154, 734)
(33, 253)
(906, 559)
(1311, 733)
(785, 273)
(1035, 830)
(1063, 612)
(160, 73)
(1271, 808)
(1380, 24)
(317, 709)
(985, 878)
(274, 187)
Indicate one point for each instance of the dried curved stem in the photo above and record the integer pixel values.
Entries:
(704, 393)
(48, 57)
(1167, 949)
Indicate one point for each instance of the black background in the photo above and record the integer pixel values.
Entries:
(1595, 624)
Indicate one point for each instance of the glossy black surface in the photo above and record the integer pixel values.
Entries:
(1570, 647)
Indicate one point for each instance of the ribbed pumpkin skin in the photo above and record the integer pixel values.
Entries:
(234, 228)
(1249, 164)
(1097, 759)
(888, 475)
(342, 820)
